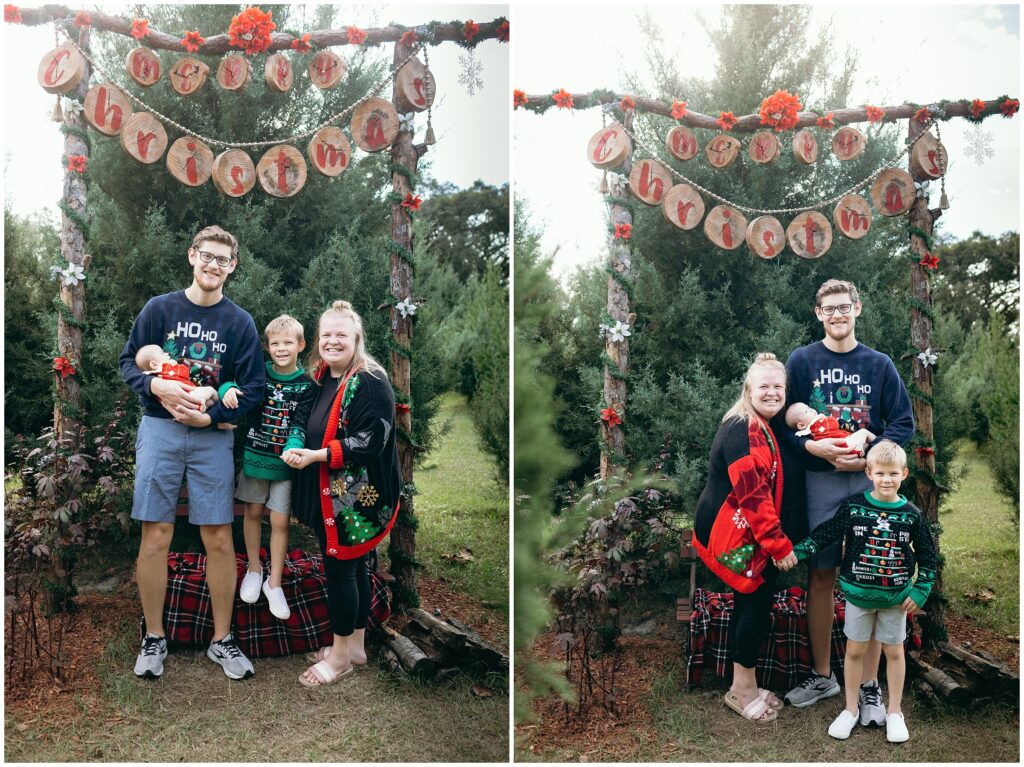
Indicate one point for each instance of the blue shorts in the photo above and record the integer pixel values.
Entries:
(166, 450)
(825, 491)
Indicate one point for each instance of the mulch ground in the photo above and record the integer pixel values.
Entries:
(962, 630)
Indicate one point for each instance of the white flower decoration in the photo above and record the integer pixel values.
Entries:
(921, 188)
(602, 330)
(619, 331)
(617, 184)
(72, 275)
(71, 106)
(329, 522)
(406, 307)
(405, 122)
(928, 357)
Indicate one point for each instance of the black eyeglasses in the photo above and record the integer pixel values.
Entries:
(828, 311)
(222, 261)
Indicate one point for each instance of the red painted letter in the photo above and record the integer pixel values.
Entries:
(54, 72)
(421, 99)
(190, 165)
(650, 186)
(328, 156)
(142, 142)
(375, 132)
(893, 197)
(237, 174)
(683, 210)
(601, 151)
(103, 111)
(769, 240)
(282, 170)
(809, 229)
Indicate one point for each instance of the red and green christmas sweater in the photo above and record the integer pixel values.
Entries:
(279, 424)
(737, 529)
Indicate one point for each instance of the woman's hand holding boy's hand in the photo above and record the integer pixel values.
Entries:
(788, 562)
(300, 457)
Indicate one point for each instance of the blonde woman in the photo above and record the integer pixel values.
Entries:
(348, 484)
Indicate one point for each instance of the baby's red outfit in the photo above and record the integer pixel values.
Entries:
(175, 371)
(827, 427)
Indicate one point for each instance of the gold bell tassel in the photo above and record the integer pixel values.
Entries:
(58, 115)
(603, 189)
(944, 202)
(429, 139)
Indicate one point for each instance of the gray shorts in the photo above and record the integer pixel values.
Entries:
(825, 491)
(166, 450)
(888, 626)
(275, 494)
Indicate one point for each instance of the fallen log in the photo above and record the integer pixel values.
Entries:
(944, 685)
(412, 658)
(985, 672)
(926, 691)
(425, 624)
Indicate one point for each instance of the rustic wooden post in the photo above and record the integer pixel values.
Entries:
(934, 624)
(402, 549)
(617, 366)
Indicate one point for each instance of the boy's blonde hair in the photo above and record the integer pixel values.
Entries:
(834, 287)
(743, 408)
(147, 355)
(360, 357)
(887, 453)
(284, 324)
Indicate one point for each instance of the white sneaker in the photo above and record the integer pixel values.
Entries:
(896, 729)
(249, 591)
(843, 725)
(278, 604)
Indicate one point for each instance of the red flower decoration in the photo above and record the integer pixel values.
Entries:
(1009, 107)
(977, 107)
(77, 163)
(780, 110)
(192, 40)
(678, 110)
(929, 261)
(628, 102)
(502, 32)
(409, 38)
(623, 231)
(470, 30)
(250, 30)
(519, 98)
(402, 407)
(921, 115)
(83, 19)
(923, 452)
(563, 99)
(610, 417)
(12, 14)
(412, 203)
(63, 366)
(874, 113)
(140, 28)
(302, 44)
(725, 120)
(825, 122)
(356, 36)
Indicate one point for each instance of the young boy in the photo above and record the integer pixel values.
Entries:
(152, 360)
(805, 420)
(885, 536)
(266, 479)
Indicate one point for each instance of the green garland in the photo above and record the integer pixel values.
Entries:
(407, 437)
(622, 203)
(921, 306)
(402, 560)
(407, 519)
(411, 176)
(72, 130)
(400, 398)
(623, 280)
(76, 218)
(65, 312)
(401, 251)
(398, 349)
(918, 394)
(70, 410)
(929, 241)
(404, 596)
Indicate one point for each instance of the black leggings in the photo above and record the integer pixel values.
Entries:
(750, 620)
(348, 590)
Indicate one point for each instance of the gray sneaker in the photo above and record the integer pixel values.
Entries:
(871, 709)
(226, 654)
(814, 688)
(150, 663)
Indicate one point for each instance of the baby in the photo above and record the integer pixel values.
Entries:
(805, 420)
(152, 360)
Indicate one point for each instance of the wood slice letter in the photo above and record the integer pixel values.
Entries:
(848, 143)
(609, 147)
(649, 180)
(233, 173)
(188, 75)
(143, 66)
(415, 87)
(143, 137)
(329, 151)
(281, 171)
(725, 226)
(61, 70)
(233, 72)
(374, 125)
(190, 161)
(805, 147)
(893, 192)
(766, 237)
(928, 157)
(764, 147)
(809, 234)
(106, 108)
(682, 143)
(722, 150)
(326, 69)
(852, 216)
(278, 71)
(682, 206)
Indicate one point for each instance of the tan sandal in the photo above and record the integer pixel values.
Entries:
(323, 652)
(324, 674)
(755, 711)
(764, 694)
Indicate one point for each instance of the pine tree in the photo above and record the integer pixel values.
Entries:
(817, 398)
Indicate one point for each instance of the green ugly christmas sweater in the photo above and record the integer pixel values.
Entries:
(280, 424)
(883, 542)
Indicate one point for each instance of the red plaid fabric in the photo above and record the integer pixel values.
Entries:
(785, 657)
(188, 618)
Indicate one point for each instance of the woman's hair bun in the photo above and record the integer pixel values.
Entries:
(342, 305)
(765, 357)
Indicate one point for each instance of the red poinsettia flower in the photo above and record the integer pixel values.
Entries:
(402, 407)
(63, 366)
(610, 417)
(924, 451)
(83, 19)
(623, 231)
(412, 203)
(470, 30)
(356, 36)
(826, 122)
(12, 14)
(250, 30)
(1009, 107)
(628, 102)
(519, 98)
(140, 28)
(874, 113)
(929, 261)
(409, 38)
(977, 107)
(780, 110)
(77, 163)
(192, 40)
(725, 120)
(921, 115)
(563, 99)
(302, 44)
(678, 110)
(502, 32)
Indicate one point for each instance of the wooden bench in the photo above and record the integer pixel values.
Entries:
(688, 555)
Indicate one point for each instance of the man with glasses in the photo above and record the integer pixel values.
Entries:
(201, 328)
(861, 388)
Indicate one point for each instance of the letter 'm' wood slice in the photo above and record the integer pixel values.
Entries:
(609, 147)
(374, 125)
(893, 192)
(190, 161)
(764, 147)
(725, 226)
(326, 69)
(649, 180)
(106, 108)
(848, 143)
(852, 216)
(188, 75)
(414, 87)
(234, 72)
(329, 151)
(234, 173)
(683, 206)
(61, 70)
(143, 66)
(143, 137)
(805, 147)
(722, 150)
(765, 237)
(281, 171)
(809, 234)
(278, 72)
(682, 143)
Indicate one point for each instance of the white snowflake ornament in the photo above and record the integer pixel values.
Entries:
(406, 307)
(619, 332)
(979, 145)
(739, 520)
(472, 71)
(928, 357)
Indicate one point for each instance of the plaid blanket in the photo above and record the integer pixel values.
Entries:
(785, 656)
(188, 618)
